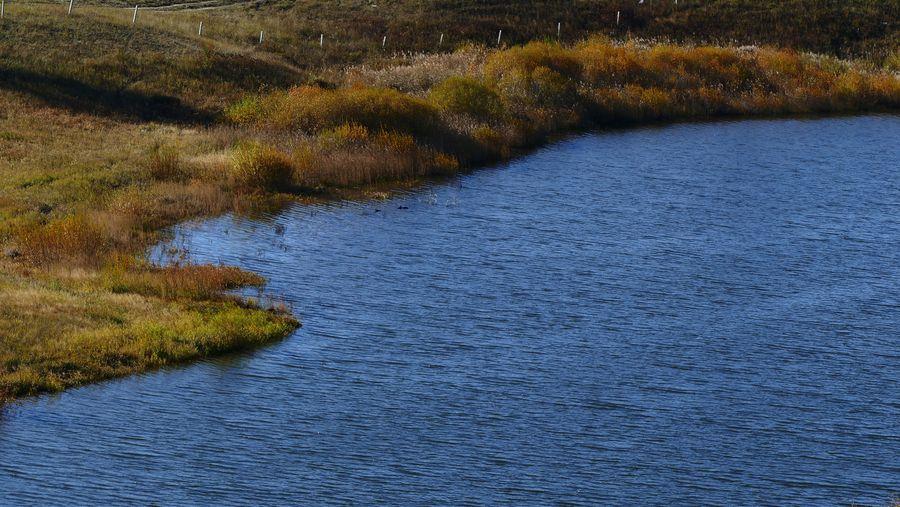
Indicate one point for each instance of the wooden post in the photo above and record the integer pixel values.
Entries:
(558, 30)
(2, 8)
(71, 3)
(383, 41)
(499, 34)
(321, 40)
(618, 13)
(260, 36)
(200, 30)
(441, 42)
(134, 17)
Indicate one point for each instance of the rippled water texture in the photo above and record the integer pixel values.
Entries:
(693, 314)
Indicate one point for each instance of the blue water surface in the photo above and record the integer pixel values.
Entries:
(681, 315)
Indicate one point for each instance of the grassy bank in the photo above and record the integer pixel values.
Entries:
(107, 140)
(78, 202)
(436, 114)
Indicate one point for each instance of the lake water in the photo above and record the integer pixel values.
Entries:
(690, 314)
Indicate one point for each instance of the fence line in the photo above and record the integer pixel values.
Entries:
(200, 28)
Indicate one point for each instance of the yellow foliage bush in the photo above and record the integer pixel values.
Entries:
(257, 166)
(466, 95)
(531, 56)
(348, 134)
(312, 109)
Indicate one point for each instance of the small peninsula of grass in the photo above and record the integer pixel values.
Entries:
(104, 149)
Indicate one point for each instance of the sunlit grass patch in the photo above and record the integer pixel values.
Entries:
(97, 350)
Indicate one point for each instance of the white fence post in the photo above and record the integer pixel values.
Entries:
(441, 42)
(499, 34)
(134, 17)
(200, 30)
(322, 40)
(2, 8)
(383, 41)
(558, 30)
(71, 3)
(260, 36)
(618, 13)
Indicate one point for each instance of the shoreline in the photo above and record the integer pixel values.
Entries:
(386, 192)
(311, 143)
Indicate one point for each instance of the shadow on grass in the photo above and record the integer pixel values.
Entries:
(81, 97)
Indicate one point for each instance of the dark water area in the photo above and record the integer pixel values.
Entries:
(691, 314)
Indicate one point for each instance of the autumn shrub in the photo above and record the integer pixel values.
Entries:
(535, 75)
(466, 95)
(348, 134)
(492, 143)
(605, 64)
(260, 167)
(251, 109)
(530, 57)
(312, 109)
(892, 62)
